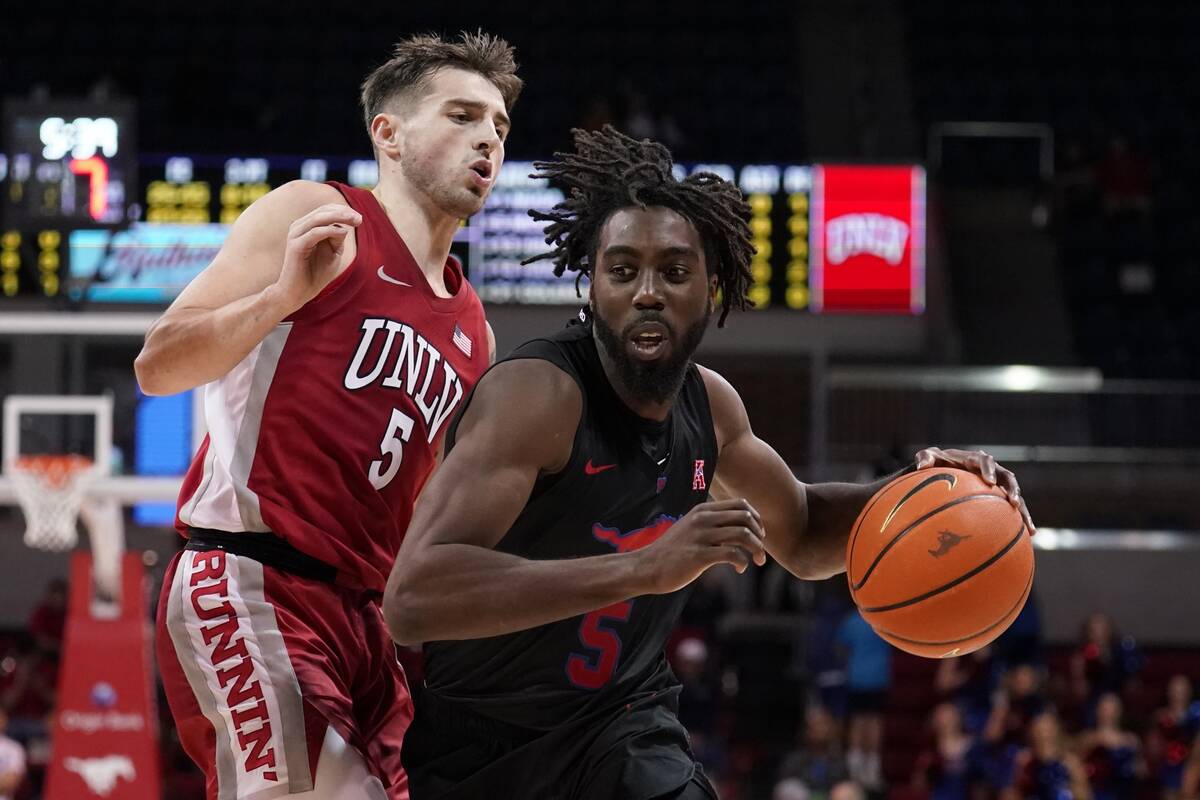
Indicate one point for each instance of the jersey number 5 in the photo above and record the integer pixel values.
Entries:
(596, 669)
(392, 449)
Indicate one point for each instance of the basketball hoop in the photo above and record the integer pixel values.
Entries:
(50, 490)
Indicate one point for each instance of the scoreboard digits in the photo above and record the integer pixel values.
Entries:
(49, 262)
(760, 183)
(245, 182)
(10, 262)
(797, 182)
(178, 198)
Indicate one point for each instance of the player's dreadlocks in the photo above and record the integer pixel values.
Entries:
(609, 171)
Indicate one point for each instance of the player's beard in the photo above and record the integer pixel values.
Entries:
(651, 381)
(449, 196)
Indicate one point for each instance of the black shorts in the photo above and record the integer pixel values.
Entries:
(640, 752)
(866, 702)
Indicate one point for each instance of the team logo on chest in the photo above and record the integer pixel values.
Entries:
(636, 539)
(407, 361)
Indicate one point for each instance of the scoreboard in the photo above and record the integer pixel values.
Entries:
(67, 162)
(819, 231)
(64, 164)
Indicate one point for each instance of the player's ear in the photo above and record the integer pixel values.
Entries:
(385, 133)
(712, 293)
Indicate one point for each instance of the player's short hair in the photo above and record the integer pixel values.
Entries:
(415, 59)
(609, 171)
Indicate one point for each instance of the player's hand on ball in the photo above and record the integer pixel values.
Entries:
(716, 532)
(983, 465)
(314, 251)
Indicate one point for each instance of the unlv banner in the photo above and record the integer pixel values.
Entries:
(105, 737)
(867, 239)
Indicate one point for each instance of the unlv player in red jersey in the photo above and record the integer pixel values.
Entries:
(336, 337)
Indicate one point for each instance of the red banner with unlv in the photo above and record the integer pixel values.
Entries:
(867, 239)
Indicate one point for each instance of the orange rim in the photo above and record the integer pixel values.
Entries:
(54, 470)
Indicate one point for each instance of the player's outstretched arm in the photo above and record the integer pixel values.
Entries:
(807, 525)
(280, 253)
(449, 582)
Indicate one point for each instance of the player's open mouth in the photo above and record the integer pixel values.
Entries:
(483, 172)
(649, 340)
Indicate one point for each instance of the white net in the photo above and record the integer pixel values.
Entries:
(50, 490)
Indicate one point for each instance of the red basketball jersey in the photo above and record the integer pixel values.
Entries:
(325, 433)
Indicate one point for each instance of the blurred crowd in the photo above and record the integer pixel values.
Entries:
(1013, 720)
(789, 695)
(29, 661)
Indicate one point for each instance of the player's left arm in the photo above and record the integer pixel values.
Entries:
(807, 525)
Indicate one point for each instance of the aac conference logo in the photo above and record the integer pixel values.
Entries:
(874, 234)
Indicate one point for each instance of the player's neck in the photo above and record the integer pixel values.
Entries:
(426, 230)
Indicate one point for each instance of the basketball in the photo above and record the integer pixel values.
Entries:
(939, 562)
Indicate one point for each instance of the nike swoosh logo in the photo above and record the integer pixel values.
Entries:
(932, 479)
(390, 279)
(590, 470)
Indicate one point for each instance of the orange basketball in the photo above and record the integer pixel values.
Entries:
(939, 563)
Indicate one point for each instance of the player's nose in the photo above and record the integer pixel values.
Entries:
(489, 139)
(648, 290)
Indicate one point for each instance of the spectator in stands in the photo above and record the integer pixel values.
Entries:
(947, 770)
(791, 789)
(30, 697)
(1175, 737)
(817, 762)
(12, 762)
(1014, 706)
(970, 681)
(868, 678)
(1046, 768)
(1111, 755)
(823, 664)
(1104, 662)
(847, 790)
(1022, 642)
(48, 619)
(699, 704)
(699, 697)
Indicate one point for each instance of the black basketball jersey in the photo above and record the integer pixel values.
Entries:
(613, 496)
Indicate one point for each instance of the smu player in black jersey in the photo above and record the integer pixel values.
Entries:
(593, 475)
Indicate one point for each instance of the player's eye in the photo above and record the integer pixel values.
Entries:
(460, 117)
(677, 273)
(621, 271)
